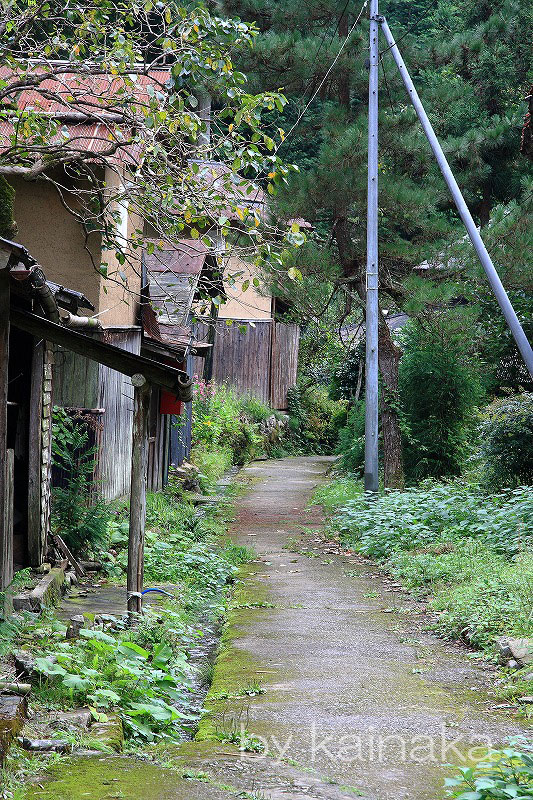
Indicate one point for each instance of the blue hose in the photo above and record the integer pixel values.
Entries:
(161, 591)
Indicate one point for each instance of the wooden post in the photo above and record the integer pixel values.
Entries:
(35, 455)
(6, 544)
(139, 466)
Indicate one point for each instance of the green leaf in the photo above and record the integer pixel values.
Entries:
(133, 650)
(96, 636)
(49, 667)
(161, 713)
(73, 681)
(161, 655)
(294, 274)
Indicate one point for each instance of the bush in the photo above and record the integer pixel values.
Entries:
(79, 515)
(314, 420)
(225, 428)
(440, 388)
(506, 446)
(504, 773)
(351, 444)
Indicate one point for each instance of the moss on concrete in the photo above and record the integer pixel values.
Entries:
(97, 778)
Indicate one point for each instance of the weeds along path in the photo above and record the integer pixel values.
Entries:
(353, 688)
(318, 665)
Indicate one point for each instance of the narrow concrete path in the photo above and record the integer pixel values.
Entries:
(354, 688)
(330, 670)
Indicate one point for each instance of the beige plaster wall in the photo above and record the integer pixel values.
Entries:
(56, 241)
(54, 238)
(250, 304)
(119, 298)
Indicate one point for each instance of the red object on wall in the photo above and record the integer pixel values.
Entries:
(168, 403)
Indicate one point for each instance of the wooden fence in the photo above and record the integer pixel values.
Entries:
(261, 360)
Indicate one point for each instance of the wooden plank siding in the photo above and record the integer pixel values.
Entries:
(116, 397)
(284, 362)
(262, 361)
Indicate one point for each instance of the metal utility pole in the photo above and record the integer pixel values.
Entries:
(371, 325)
(486, 261)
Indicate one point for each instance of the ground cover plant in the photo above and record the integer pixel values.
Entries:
(142, 672)
(469, 552)
(504, 773)
(227, 429)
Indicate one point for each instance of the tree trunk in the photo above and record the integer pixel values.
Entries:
(389, 359)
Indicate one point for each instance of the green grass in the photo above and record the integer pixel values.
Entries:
(467, 551)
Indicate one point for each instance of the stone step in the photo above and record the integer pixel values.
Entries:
(13, 712)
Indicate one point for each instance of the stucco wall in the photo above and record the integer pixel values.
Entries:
(54, 238)
(249, 304)
(119, 298)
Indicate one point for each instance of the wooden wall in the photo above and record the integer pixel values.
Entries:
(82, 383)
(262, 360)
(284, 362)
(116, 397)
(40, 452)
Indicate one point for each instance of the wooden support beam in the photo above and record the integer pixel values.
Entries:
(139, 467)
(7, 566)
(175, 380)
(66, 553)
(35, 456)
(6, 535)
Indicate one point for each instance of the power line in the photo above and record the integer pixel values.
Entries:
(410, 27)
(327, 74)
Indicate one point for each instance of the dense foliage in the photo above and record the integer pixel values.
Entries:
(440, 386)
(467, 550)
(79, 514)
(351, 443)
(227, 428)
(506, 438)
(314, 420)
(504, 773)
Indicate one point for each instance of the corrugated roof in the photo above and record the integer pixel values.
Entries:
(173, 275)
(100, 96)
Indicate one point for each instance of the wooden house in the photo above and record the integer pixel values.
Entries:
(32, 333)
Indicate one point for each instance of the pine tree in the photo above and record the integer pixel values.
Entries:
(299, 43)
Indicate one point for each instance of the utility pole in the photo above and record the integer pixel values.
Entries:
(371, 323)
(464, 212)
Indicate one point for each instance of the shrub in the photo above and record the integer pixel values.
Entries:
(314, 419)
(507, 441)
(79, 514)
(440, 388)
(225, 424)
(351, 444)
(504, 773)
